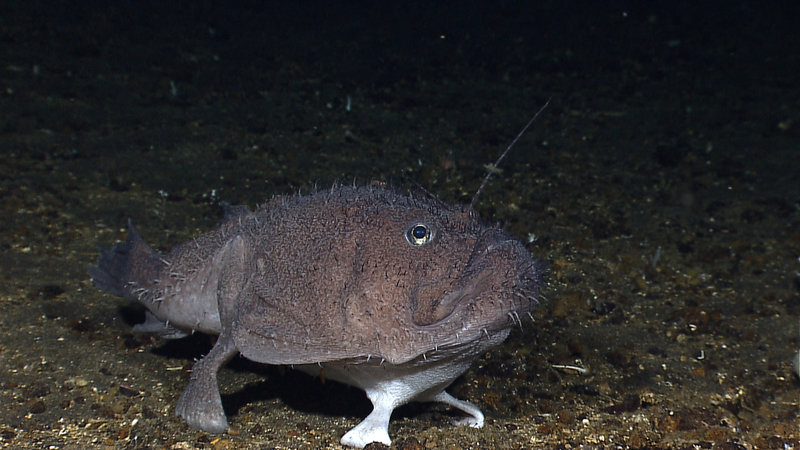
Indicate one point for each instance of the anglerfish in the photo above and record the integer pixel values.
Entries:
(394, 293)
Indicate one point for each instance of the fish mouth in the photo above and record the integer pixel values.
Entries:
(499, 281)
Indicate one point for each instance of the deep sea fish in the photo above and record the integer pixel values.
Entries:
(395, 294)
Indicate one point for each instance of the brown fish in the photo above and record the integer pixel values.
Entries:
(391, 293)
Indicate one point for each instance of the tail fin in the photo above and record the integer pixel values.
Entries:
(128, 268)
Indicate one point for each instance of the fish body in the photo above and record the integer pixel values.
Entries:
(392, 293)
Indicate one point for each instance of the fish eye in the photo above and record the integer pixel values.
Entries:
(419, 234)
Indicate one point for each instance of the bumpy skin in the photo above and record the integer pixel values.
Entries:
(393, 294)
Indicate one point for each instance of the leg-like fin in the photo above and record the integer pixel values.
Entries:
(475, 416)
(200, 404)
(375, 428)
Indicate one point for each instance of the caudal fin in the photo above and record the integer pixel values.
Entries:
(129, 269)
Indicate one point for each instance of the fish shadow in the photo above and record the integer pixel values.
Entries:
(305, 393)
(297, 390)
